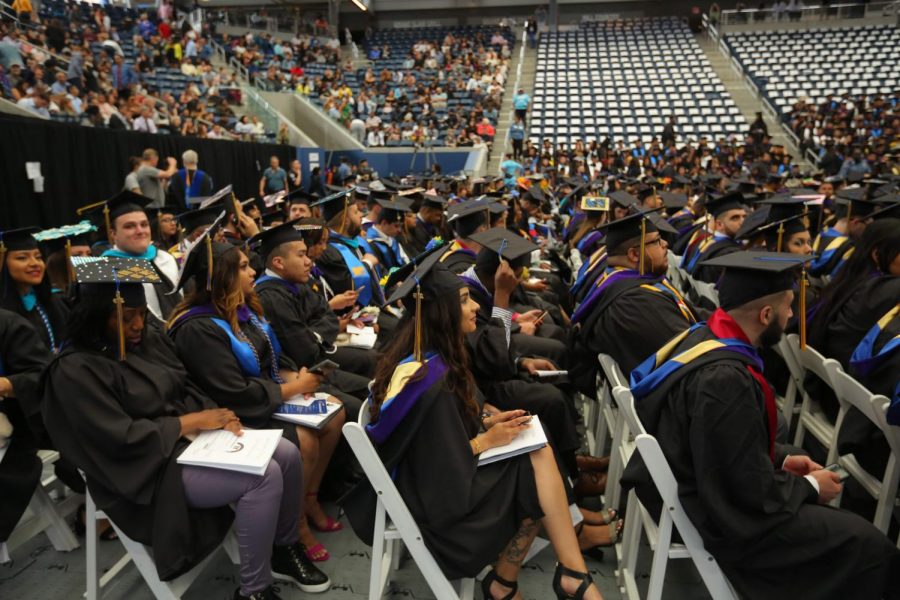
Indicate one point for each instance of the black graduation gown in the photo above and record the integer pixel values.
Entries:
(717, 248)
(22, 358)
(417, 237)
(205, 350)
(629, 323)
(458, 261)
(466, 514)
(56, 311)
(118, 422)
(761, 524)
(337, 274)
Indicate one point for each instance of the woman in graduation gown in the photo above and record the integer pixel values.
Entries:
(22, 358)
(424, 398)
(25, 289)
(119, 403)
(232, 353)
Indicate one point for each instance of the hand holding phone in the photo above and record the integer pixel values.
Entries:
(324, 368)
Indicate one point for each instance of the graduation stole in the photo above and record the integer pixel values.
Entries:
(832, 240)
(698, 237)
(359, 272)
(611, 276)
(455, 247)
(865, 359)
(658, 367)
(411, 379)
(587, 267)
(701, 249)
(585, 242)
(150, 254)
(663, 286)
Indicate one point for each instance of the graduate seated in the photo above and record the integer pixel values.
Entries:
(232, 353)
(728, 214)
(382, 239)
(424, 397)
(759, 510)
(120, 403)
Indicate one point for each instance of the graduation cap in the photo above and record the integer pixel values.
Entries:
(205, 201)
(722, 204)
(393, 210)
(623, 198)
(200, 257)
(681, 181)
(644, 191)
(594, 204)
(890, 210)
(785, 206)
(751, 227)
(857, 205)
(752, 275)
(120, 280)
(14, 240)
(429, 281)
(502, 244)
(635, 226)
(121, 204)
(434, 201)
(467, 216)
(335, 204)
(63, 238)
(201, 217)
(270, 217)
(276, 198)
(534, 194)
(673, 201)
(402, 273)
(268, 241)
(777, 231)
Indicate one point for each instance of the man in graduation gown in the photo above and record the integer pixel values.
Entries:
(758, 510)
(382, 239)
(835, 243)
(286, 306)
(22, 358)
(429, 219)
(625, 314)
(728, 214)
(129, 234)
(465, 219)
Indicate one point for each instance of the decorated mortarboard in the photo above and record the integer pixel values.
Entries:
(594, 204)
(276, 198)
(14, 240)
(63, 238)
(634, 226)
(205, 201)
(120, 280)
(500, 243)
(334, 204)
(265, 242)
(749, 276)
(415, 192)
(722, 204)
(673, 201)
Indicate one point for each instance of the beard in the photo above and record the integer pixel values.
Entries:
(771, 335)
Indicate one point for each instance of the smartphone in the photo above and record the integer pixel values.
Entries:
(544, 314)
(841, 471)
(324, 368)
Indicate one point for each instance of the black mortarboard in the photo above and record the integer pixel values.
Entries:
(858, 206)
(334, 204)
(784, 206)
(273, 217)
(643, 191)
(890, 207)
(468, 216)
(752, 275)
(434, 201)
(623, 198)
(201, 217)
(534, 194)
(109, 210)
(778, 231)
(393, 210)
(400, 274)
(300, 196)
(681, 181)
(673, 201)
(724, 203)
(633, 226)
(502, 242)
(752, 225)
(117, 280)
(205, 201)
(265, 242)
(198, 262)
(13, 240)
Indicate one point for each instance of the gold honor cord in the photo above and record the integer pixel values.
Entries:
(417, 348)
(107, 221)
(120, 315)
(70, 269)
(780, 236)
(802, 316)
(643, 242)
(209, 259)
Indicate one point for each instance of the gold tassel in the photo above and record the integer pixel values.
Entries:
(849, 210)
(802, 308)
(120, 315)
(108, 222)
(209, 259)
(344, 216)
(70, 269)
(417, 348)
(2, 253)
(643, 241)
(780, 236)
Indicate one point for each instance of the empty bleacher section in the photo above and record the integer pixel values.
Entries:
(827, 83)
(623, 79)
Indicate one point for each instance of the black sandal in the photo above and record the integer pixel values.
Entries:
(561, 572)
(490, 578)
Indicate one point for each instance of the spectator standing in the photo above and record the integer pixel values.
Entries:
(23, 9)
(358, 130)
(295, 175)
(131, 180)
(344, 171)
(190, 181)
(75, 72)
(123, 76)
(153, 180)
(520, 102)
(517, 136)
(668, 132)
(855, 165)
(274, 179)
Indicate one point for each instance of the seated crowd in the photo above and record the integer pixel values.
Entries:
(142, 336)
(136, 72)
(848, 134)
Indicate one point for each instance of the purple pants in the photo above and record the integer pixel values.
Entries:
(266, 508)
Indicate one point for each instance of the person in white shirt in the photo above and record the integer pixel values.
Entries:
(145, 121)
(375, 138)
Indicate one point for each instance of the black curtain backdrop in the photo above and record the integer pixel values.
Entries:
(82, 165)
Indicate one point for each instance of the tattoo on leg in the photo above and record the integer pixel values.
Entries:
(518, 546)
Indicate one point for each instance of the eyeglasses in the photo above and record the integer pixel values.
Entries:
(167, 220)
(647, 243)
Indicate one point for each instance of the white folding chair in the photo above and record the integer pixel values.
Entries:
(788, 404)
(142, 557)
(811, 417)
(873, 407)
(613, 423)
(671, 515)
(43, 515)
(394, 525)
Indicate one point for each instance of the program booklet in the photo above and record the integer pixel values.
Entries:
(308, 410)
(529, 439)
(220, 449)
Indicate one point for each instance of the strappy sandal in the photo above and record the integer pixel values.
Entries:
(615, 534)
(610, 515)
(561, 572)
(490, 578)
(330, 526)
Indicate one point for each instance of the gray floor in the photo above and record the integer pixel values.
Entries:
(37, 571)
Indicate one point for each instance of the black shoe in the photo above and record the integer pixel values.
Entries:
(491, 578)
(266, 594)
(290, 563)
(561, 572)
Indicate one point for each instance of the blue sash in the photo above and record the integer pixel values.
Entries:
(701, 250)
(358, 271)
(832, 240)
(587, 267)
(865, 359)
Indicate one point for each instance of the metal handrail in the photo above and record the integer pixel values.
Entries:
(843, 10)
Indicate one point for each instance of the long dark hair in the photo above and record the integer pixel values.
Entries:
(11, 300)
(441, 333)
(86, 325)
(877, 249)
(225, 296)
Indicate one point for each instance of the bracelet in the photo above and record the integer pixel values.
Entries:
(476, 445)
